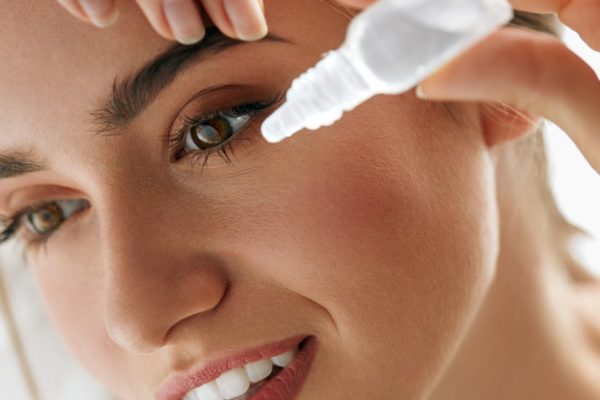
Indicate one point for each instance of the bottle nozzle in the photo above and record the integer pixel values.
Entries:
(318, 97)
(281, 124)
(390, 47)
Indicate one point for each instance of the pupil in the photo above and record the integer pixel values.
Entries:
(46, 219)
(211, 132)
(208, 134)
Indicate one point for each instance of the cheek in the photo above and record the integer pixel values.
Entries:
(71, 283)
(391, 228)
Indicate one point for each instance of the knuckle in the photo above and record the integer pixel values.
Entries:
(534, 57)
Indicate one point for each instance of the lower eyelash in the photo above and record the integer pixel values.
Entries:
(197, 157)
(245, 133)
(28, 242)
(27, 246)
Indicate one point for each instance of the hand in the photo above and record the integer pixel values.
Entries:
(531, 71)
(181, 20)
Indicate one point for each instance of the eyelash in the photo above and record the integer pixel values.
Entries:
(175, 143)
(38, 240)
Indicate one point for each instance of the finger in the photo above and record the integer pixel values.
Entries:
(184, 19)
(153, 11)
(245, 18)
(215, 9)
(101, 13)
(73, 7)
(582, 16)
(533, 72)
(174, 19)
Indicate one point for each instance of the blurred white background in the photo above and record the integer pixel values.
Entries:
(576, 186)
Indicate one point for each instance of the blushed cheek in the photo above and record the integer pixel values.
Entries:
(395, 241)
(70, 284)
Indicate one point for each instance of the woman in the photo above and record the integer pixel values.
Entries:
(384, 252)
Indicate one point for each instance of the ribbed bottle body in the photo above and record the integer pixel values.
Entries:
(398, 43)
(389, 48)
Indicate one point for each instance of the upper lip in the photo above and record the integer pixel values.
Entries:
(179, 384)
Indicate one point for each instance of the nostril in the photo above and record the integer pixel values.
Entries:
(152, 294)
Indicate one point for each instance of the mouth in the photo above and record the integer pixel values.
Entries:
(285, 383)
(278, 377)
(254, 387)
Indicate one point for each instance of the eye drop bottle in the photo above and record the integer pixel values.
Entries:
(389, 48)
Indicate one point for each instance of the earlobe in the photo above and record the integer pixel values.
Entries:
(503, 123)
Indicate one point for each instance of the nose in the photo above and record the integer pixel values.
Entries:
(156, 273)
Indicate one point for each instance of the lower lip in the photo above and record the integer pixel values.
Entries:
(287, 383)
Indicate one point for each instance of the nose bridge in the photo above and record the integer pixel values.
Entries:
(154, 275)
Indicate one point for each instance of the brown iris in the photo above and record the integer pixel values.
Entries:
(46, 219)
(211, 132)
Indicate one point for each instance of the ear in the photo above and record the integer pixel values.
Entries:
(503, 123)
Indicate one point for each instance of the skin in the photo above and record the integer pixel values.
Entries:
(384, 249)
(242, 19)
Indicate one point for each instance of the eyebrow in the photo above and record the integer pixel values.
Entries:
(17, 163)
(131, 96)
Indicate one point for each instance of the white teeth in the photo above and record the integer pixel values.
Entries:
(209, 391)
(236, 382)
(233, 383)
(257, 371)
(284, 359)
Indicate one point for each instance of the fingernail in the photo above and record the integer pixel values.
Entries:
(420, 93)
(184, 18)
(101, 13)
(248, 18)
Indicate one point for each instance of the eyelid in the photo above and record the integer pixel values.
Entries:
(175, 141)
(222, 108)
(14, 222)
(218, 98)
(32, 238)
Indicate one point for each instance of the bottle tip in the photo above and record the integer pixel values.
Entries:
(277, 127)
(271, 131)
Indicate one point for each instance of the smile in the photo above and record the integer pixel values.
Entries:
(241, 383)
(275, 371)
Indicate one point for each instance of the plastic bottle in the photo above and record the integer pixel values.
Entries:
(390, 47)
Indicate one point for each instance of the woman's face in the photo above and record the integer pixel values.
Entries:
(376, 235)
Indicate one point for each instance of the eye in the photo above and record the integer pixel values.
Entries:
(40, 220)
(216, 132)
(44, 220)
(213, 132)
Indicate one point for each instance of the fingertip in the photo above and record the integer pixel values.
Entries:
(248, 18)
(73, 8)
(216, 14)
(193, 39)
(256, 35)
(111, 20)
(101, 13)
(185, 21)
(420, 92)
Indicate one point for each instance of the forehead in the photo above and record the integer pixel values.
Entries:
(54, 68)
